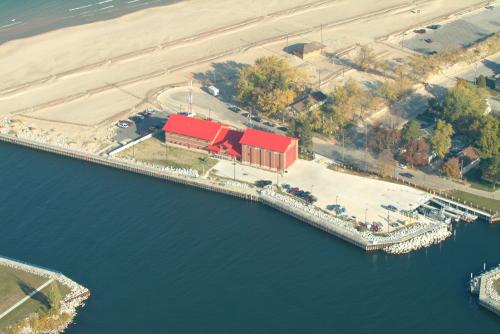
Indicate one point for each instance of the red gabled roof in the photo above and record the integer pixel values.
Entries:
(192, 127)
(266, 140)
(230, 140)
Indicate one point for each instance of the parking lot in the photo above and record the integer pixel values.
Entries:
(456, 34)
(139, 126)
(359, 196)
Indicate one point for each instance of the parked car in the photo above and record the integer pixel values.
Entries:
(282, 128)
(234, 108)
(419, 31)
(391, 208)
(402, 165)
(263, 183)
(407, 175)
(434, 26)
(257, 119)
(122, 124)
(213, 90)
(428, 40)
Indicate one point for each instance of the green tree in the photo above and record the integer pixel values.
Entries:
(270, 85)
(481, 81)
(441, 140)
(462, 104)
(411, 131)
(488, 141)
(451, 168)
(490, 168)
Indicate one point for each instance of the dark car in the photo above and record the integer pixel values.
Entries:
(407, 175)
(282, 128)
(434, 26)
(293, 190)
(257, 119)
(234, 109)
(263, 183)
(391, 208)
(419, 31)
(428, 40)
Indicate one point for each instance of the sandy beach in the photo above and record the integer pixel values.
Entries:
(76, 81)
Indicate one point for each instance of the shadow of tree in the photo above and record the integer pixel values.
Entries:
(495, 67)
(39, 297)
(223, 76)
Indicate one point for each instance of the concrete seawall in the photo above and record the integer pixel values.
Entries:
(246, 193)
(488, 298)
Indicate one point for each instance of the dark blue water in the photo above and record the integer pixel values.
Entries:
(162, 258)
(25, 18)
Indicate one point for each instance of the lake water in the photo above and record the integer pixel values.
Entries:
(24, 18)
(164, 258)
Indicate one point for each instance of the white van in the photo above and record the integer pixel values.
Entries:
(213, 90)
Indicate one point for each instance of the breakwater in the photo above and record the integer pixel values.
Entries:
(73, 300)
(483, 284)
(303, 212)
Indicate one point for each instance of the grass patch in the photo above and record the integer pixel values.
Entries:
(496, 285)
(482, 202)
(474, 179)
(153, 151)
(17, 284)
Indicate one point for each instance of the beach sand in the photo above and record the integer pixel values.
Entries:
(84, 78)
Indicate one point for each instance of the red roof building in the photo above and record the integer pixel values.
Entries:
(268, 150)
(253, 147)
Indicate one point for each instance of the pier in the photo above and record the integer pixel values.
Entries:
(483, 285)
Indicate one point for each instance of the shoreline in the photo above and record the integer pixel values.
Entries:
(74, 300)
(23, 29)
(418, 236)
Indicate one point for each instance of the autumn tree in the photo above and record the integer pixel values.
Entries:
(386, 163)
(441, 139)
(381, 138)
(366, 58)
(417, 152)
(451, 168)
(270, 85)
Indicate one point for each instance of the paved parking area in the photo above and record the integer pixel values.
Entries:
(459, 33)
(359, 195)
(140, 127)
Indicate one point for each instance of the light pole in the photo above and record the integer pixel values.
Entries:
(234, 170)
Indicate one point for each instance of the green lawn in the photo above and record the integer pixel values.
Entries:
(153, 151)
(14, 286)
(482, 202)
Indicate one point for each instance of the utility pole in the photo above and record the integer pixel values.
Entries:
(190, 97)
(319, 78)
(234, 170)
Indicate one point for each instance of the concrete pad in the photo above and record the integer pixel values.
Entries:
(359, 195)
